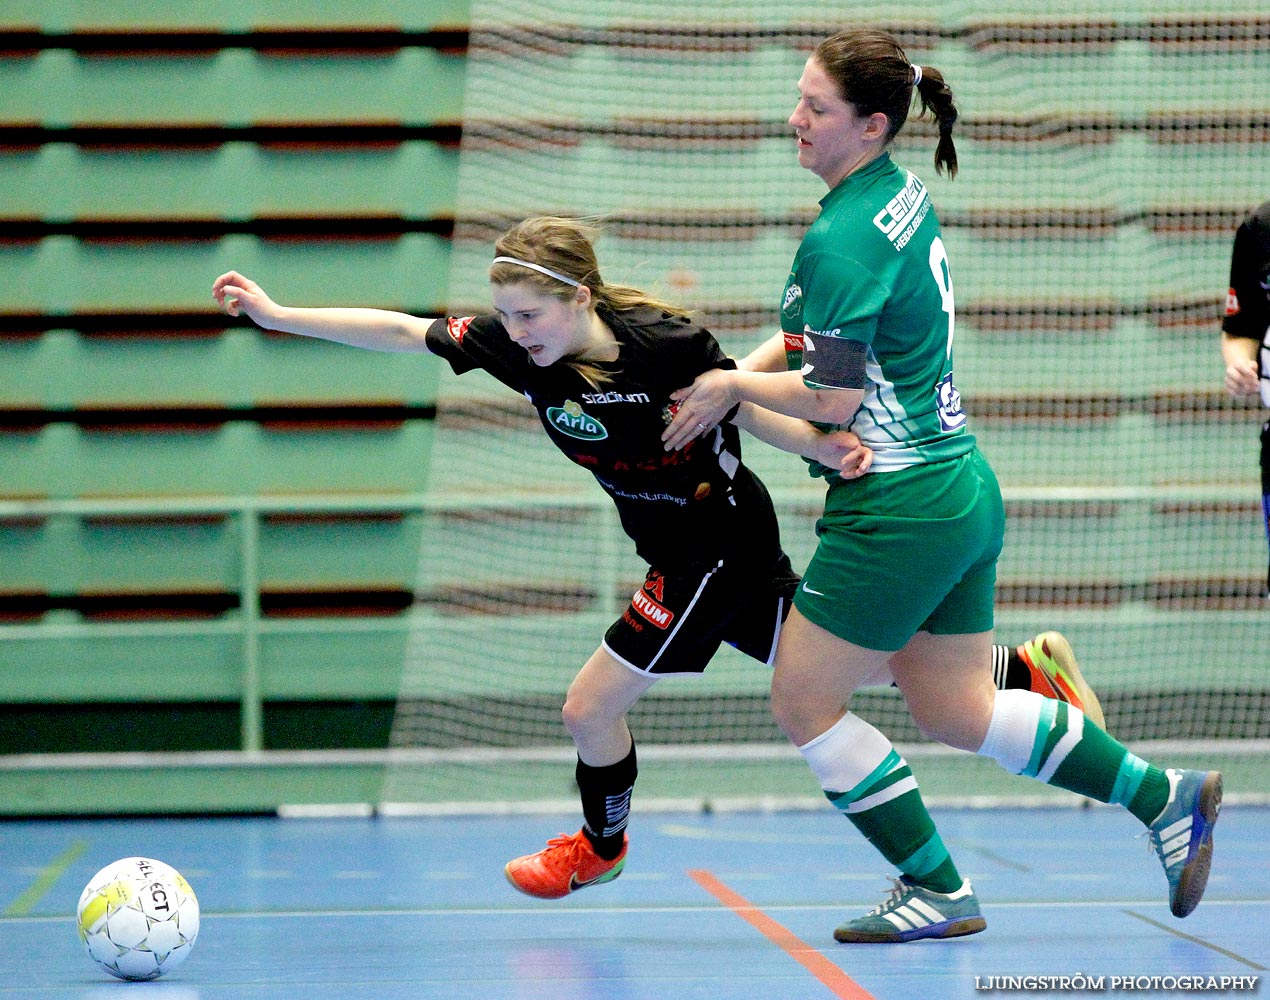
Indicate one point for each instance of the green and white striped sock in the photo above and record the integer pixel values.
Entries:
(873, 786)
(1053, 742)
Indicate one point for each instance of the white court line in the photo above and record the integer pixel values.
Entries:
(588, 912)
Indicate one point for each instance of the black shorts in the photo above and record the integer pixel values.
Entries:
(677, 620)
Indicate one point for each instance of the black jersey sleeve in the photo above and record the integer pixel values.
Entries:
(707, 349)
(1248, 315)
(714, 357)
(471, 342)
(696, 351)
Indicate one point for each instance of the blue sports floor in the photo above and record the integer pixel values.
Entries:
(737, 906)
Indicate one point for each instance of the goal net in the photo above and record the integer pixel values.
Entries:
(1106, 155)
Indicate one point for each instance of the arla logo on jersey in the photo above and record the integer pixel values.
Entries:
(792, 294)
(951, 415)
(571, 420)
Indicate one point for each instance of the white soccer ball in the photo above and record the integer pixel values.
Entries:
(138, 918)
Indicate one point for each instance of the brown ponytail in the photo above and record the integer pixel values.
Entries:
(937, 98)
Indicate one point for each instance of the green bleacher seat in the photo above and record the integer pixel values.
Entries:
(62, 182)
(61, 274)
(222, 455)
(334, 14)
(69, 554)
(345, 549)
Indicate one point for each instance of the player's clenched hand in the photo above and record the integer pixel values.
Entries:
(1242, 378)
(844, 452)
(238, 294)
(699, 407)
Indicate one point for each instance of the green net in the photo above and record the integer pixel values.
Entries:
(1107, 153)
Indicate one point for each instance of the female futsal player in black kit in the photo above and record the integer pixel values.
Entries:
(599, 363)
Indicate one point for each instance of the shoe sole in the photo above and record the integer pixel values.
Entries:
(529, 892)
(574, 885)
(1061, 651)
(955, 928)
(1194, 878)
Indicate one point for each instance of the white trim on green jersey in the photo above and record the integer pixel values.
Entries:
(872, 268)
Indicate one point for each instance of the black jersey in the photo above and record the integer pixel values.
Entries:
(694, 506)
(1248, 301)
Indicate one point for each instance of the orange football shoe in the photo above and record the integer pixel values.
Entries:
(568, 863)
(1055, 674)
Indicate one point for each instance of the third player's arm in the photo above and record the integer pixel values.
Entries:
(1240, 356)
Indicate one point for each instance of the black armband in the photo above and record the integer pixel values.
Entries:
(833, 362)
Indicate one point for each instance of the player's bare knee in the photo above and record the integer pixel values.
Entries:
(582, 716)
(793, 715)
(950, 731)
(574, 715)
(787, 723)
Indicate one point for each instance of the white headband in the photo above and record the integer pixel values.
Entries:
(539, 268)
(917, 74)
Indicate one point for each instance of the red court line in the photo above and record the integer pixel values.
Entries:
(838, 982)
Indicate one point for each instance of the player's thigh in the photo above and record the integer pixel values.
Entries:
(815, 675)
(947, 684)
(605, 689)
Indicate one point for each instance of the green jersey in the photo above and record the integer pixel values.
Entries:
(871, 276)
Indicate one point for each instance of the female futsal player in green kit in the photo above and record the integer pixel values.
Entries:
(904, 572)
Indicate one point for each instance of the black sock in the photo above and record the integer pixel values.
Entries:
(1000, 661)
(1008, 669)
(606, 802)
(1018, 674)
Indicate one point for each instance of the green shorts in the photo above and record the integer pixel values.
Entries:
(908, 551)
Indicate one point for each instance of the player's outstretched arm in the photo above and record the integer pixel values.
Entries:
(373, 329)
(841, 450)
